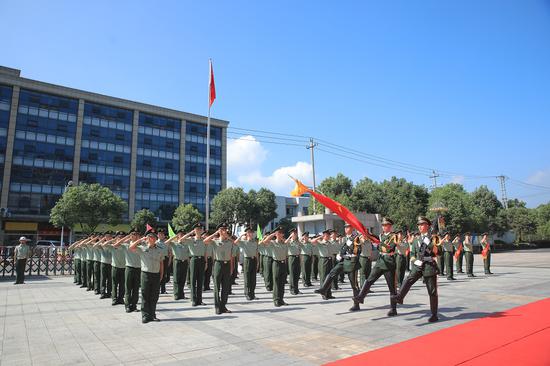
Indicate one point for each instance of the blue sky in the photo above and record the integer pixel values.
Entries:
(459, 86)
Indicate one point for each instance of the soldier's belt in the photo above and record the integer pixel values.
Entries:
(387, 254)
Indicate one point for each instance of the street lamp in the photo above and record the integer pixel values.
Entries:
(69, 184)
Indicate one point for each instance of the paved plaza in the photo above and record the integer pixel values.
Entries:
(50, 321)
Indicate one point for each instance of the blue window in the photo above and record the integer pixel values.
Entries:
(105, 155)
(43, 151)
(158, 165)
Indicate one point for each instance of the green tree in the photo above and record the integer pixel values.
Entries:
(522, 221)
(88, 205)
(485, 210)
(230, 206)
(403, 201)
(185, 217)
(458, 218)
(142, 218)
(367, 196)
(264, 206)
(338, 188)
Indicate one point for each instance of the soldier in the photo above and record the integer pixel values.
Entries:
(306, 254)
(486, 252)
(90, 266)
(76, 264)
(152, 263)
(334, 250)
(97, 264)
(235, 254)
(197, 262)
(83, 262)
(423, 252)
(209, 265)
(365, 260)
(180, 253)
(315, 263)
(448, 252)
(459, 253)
(268, 266)
(279, 251)
(118, 266)
(222, 246)
(323, 245)
(469, 254)
(105, 259)
(294, 249)
(440, 260)
(401, 257)
(385, 265)
(347, 262)
(21, 253)
(161, 234)
(132, 273)
(248, 244)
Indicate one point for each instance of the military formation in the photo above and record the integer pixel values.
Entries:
(118, 266)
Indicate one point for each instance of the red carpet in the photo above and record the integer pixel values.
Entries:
(519, 336)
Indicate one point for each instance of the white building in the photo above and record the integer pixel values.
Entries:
(288, 207)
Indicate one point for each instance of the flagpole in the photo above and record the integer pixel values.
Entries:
(207, 210)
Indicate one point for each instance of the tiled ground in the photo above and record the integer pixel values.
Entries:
(50, 321)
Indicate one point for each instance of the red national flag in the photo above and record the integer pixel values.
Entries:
(211, 86)
(149, 228)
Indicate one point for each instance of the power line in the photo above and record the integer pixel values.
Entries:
(360, 156)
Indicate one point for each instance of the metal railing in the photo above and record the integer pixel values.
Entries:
(45, 261)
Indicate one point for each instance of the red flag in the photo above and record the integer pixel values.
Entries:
(149, 228)
(458, 251)
(337, 208)
(211, 86)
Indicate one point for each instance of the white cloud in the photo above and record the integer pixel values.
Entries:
(244, 154)
(279, 181)
(245, 157)
(540, 177)
(459, 179)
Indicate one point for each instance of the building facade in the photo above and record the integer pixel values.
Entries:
(287, 207)
(152, 157)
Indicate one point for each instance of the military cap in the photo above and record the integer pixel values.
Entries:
(278, 228)
(328, 231)
(347, 225)
(180, 231)
(151, 233)
(423, 220)
(485, 233)
(387, 221)
(222, 226)
(467, 233)
(293, 230)
(248, 228)
(134, 231)
(305, 233)
(198, 225)
(120, 233)
(159, 231)
(445, 233)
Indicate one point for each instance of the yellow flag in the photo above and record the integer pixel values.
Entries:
(299, 190)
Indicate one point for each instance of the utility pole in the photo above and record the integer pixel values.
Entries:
(434, 177)
(503, 195)
(311, 146)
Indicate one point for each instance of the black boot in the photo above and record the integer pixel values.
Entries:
(360, 297)
(433, 308)
(393, 305)
(325, 287)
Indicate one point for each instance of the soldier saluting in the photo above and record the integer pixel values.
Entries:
(423, 253)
